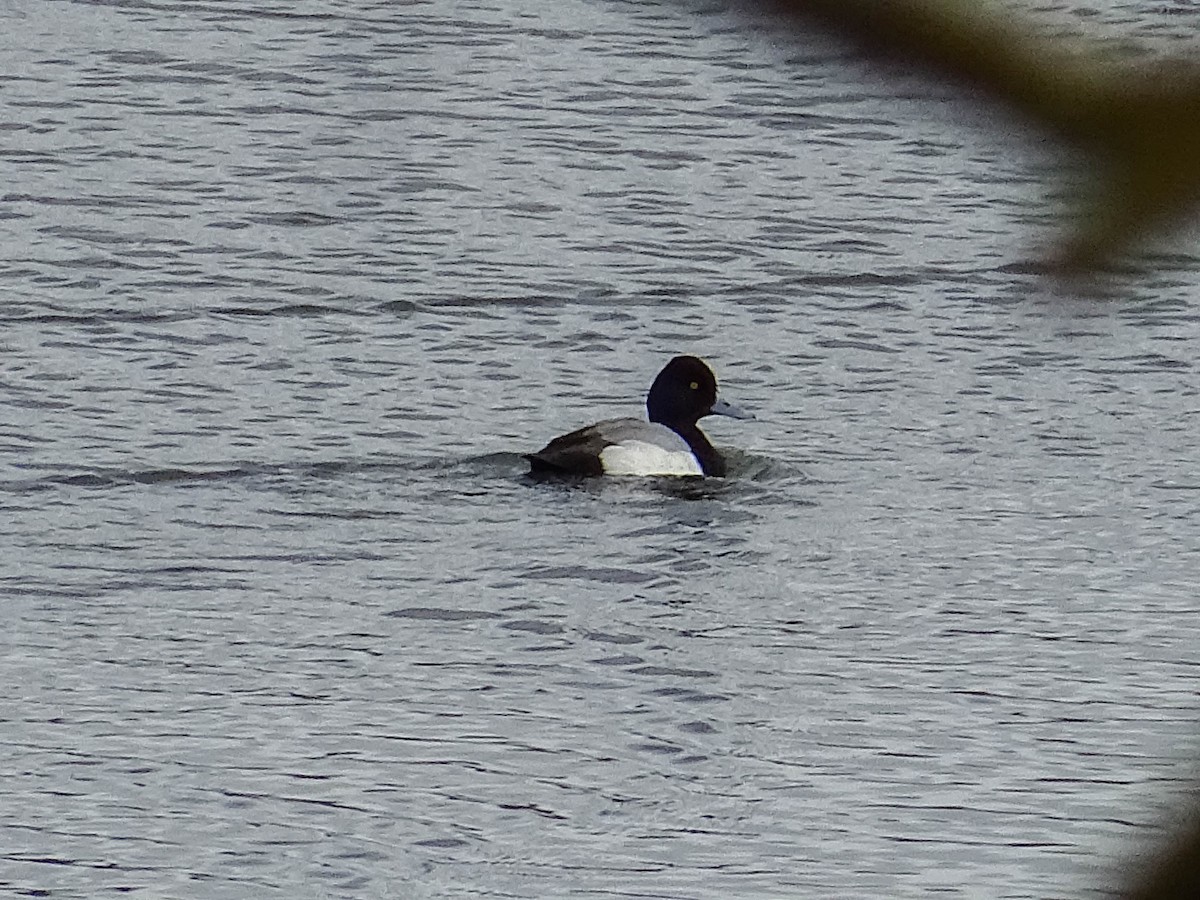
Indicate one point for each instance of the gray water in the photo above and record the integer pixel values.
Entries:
(288, 287)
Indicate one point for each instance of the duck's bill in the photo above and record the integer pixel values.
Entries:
(725, 408)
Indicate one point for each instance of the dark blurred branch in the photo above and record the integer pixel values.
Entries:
(1142, 120)
(1174, 872)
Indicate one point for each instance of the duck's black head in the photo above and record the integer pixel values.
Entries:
(684, 392)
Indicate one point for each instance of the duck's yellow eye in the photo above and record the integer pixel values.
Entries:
(695, 385)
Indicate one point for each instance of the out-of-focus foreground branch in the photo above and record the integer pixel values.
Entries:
(1139, 120)
(1174, 872)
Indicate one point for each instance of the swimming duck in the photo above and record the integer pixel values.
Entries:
(670, 443)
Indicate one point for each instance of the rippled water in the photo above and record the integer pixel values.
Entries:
(287, 289)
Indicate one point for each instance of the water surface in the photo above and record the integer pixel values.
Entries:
(289, 287)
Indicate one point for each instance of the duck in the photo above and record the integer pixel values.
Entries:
(669, 443)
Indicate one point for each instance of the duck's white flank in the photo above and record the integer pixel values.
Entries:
(634, 457)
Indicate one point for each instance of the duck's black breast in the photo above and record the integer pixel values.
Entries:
(710, 459)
